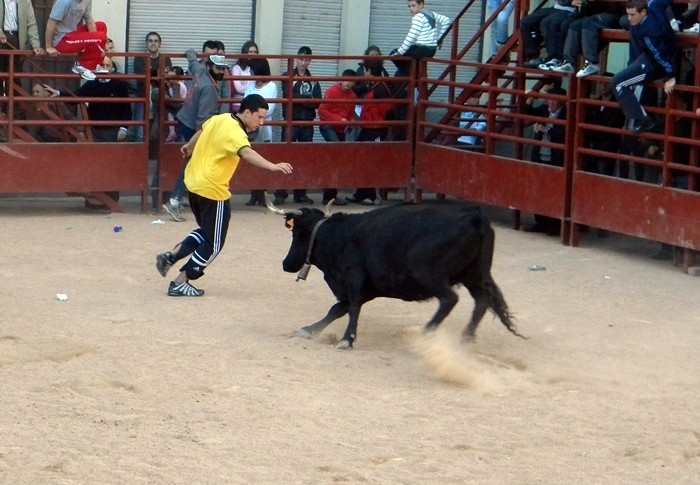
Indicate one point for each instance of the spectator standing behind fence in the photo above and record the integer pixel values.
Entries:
(652, 56)
(427, 28)
(19, 31)
(337, 112)
(72, 30)
(301, 89)
(552, 133)
(242, 68)
(374, 127)
(202, 103)
(153, 44)
(268, 90)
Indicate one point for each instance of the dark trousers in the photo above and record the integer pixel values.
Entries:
(640, 71)
(302, 134)
(554, 28)
(417, 52)
(531, 33)
(204, 243)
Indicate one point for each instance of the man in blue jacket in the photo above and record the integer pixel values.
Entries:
(652, 57)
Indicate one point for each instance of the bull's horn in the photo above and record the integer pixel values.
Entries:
(280, 212)
(327, 211)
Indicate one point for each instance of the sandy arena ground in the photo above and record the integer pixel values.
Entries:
(122, 384)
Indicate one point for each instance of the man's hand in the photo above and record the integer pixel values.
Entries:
(577, 3)
(3, 38)
(668, 85)
(186, 151)
(39, 51)
(51, 51)
(283, 167)
(54, 92)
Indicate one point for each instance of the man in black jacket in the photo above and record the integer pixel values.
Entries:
(105, 87)
(301, 89)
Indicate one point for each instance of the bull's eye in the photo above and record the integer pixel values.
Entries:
(290, 224)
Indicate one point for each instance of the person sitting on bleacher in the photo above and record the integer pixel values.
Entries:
(652, 57)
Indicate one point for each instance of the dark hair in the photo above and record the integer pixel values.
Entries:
(244, 50)
(349, 73)
(558, 91)
(253, 102)
(153, 33)
(178, 71)
(210, 44)
(260, 66)
(220, 46)
(304, 50)
(373, 48)
(638, 5)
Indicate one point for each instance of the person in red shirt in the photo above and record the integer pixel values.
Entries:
(337, 112)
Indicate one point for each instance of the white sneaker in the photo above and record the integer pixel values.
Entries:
(100, 69)
(547, 66)
(694, 29)
(563, 67)
(86, 74)
(675, 25)
(588, 70)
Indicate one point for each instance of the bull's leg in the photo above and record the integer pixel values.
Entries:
(448, 299)
(336, 311)
(351, 330)
(481, 304)
(488, 295)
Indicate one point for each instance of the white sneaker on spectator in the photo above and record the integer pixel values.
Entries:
(588, 69)
(694, 29)
(563, 66)
(86, 74)
(100, 69)
(675, 25)
(547, 66)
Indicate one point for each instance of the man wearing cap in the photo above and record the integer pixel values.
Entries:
(202, 103)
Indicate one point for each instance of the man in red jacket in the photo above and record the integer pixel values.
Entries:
(337, 112)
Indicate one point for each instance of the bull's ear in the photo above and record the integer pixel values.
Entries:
(290, 224)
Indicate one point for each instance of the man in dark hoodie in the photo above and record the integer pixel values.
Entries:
(652, 57)
(301, 89)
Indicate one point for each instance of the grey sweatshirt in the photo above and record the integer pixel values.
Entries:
(202, 96)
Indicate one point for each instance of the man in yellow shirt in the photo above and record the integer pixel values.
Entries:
(216, 150)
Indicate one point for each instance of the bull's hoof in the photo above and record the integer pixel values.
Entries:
(344, 345)
(304, 333)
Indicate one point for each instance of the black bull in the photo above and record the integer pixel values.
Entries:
(408, 251)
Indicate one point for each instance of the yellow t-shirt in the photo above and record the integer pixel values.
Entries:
(215, 157)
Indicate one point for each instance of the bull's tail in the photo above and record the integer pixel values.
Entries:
(498, 305)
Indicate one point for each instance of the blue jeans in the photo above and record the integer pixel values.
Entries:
(180, 188)
(499, 28)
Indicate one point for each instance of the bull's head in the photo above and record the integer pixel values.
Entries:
(302, 223)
